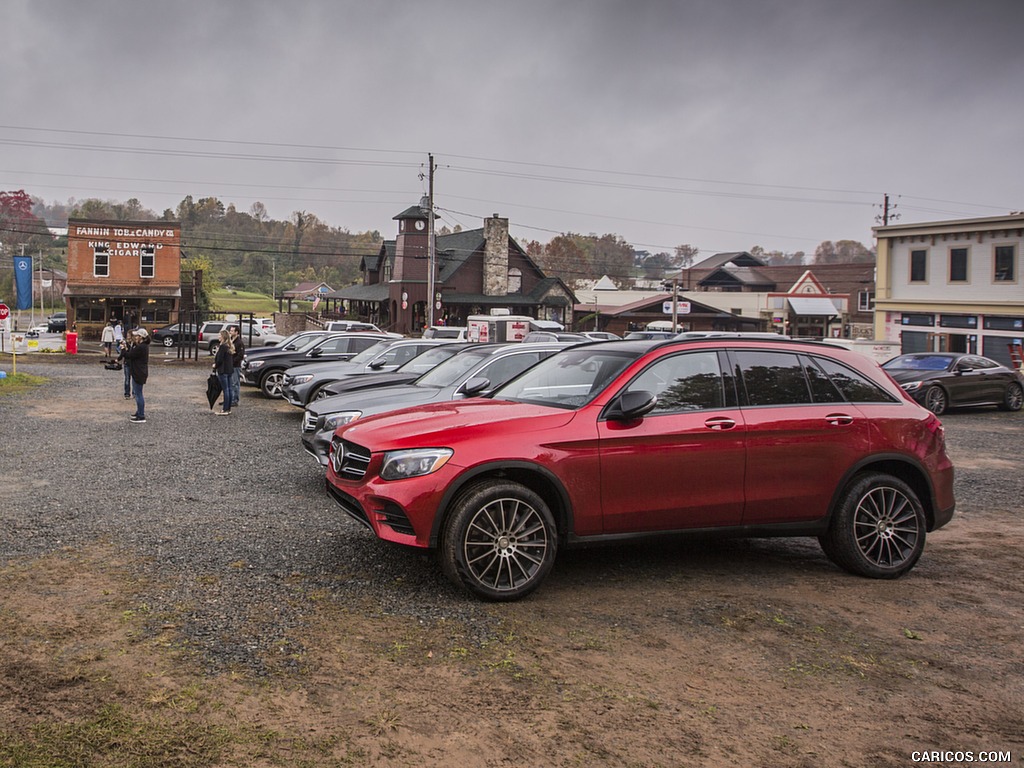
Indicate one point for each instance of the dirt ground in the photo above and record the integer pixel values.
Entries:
(691, 653)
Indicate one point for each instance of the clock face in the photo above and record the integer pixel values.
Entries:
(421, 224)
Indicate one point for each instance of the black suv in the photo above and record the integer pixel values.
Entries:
(57, 322)
(267, 371)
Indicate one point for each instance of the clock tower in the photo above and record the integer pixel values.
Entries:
(411, 246)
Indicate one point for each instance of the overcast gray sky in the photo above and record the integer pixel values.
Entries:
(719, 123)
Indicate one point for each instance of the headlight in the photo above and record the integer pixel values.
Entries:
(399, 465)
(254, 364)
(912, 386)
(299, 379)
(336, 420)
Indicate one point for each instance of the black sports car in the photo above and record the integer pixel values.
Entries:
(941, 380)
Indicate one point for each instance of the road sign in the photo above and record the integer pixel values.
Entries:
(5, 311)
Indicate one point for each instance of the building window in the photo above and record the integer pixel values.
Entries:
(958, 321)
(515, 280)
(958, 265)
(1005, 263)
(918, 266)
(100, 261)
(915, 318)
(865, 300)
(147, 261)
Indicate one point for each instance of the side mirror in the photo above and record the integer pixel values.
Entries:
(962, 366)
(376, 365)
(475, 386)
(632, 405)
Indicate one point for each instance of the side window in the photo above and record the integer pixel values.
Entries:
(772, 378)
(686, 382)
(404, 355)
(330, 346)
(506, 368)
(855, 387)
(358, 344)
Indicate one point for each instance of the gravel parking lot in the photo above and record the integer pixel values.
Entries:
(213, 541)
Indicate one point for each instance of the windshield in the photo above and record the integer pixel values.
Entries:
(453, 369)
(919, 363)
(570, 379)
(430, 359)
(371, 352)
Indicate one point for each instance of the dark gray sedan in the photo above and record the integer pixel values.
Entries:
(941, 380)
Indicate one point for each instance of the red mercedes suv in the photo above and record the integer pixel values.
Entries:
(619, 439)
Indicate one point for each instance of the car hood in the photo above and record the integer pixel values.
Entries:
(433, 424)
(905, 375)
(376, 400)
(371, 380)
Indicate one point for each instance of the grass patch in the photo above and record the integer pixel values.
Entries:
(115, 737)
(17, 383)
(243, 301)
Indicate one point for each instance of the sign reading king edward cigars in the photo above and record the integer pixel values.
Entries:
(125, 241)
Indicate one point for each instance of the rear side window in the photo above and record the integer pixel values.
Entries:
(772, 378)
(856, 387)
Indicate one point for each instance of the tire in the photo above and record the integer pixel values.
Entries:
(878, 528)
(1013, 398)
(320, 394)
(168, 341)
(214, 345)
(936, 400)
(272, 384)
(499, 541)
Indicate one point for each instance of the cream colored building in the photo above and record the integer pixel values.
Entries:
(951, 285)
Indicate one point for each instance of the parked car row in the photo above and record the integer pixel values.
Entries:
(496, 456)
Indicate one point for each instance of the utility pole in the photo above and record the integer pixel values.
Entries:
(887, 213)
(431, 253)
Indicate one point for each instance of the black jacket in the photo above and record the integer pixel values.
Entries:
(137, 356)
(239, 352)
(222, 363)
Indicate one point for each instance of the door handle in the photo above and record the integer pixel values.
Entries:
(720, 423)
(839, 419)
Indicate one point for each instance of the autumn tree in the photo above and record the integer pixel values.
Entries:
(19, 227)
(843, 252)
(563, 258)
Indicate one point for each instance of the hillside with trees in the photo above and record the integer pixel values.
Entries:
(251, 251)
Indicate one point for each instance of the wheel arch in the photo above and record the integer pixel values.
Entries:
(910, 472)
(538, 479)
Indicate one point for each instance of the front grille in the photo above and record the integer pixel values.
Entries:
(349, 460)
(350, 506)
(309, 422)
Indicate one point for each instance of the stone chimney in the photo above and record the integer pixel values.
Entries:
(495, 256)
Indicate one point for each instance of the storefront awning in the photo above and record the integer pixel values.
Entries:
(812, 306)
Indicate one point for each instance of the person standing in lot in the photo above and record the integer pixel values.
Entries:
(236, 361)
(223, 365)
(107, 339)
(137, 355)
